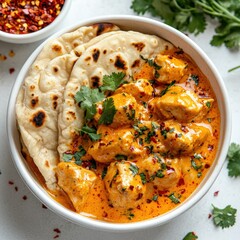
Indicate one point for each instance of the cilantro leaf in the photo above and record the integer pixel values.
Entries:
(87, 98)
(108, 112)
(113, 81)
(134, 169)
(164, 91)
(91, 132)
(225, 217)
(190, 236)
(174, 199)
(233, 160)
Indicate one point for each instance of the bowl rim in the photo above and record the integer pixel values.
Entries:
(40, 34)
(84, 221)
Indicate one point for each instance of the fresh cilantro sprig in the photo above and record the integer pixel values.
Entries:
(233, 160)
(113, 81)
(87, 98)
(190, 16)
(225, 217)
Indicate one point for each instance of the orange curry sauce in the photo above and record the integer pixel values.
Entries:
(97, 205)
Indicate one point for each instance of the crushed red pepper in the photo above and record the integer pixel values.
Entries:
(21, 17)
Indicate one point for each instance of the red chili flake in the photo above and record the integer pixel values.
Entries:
(24, 197)
(216, 194)
(104, 214)
(149, 200)
(56, 230)
(16, 189)
(10, 182)
(21, 17)
(11, 70)
(209, 215)
(56, 236)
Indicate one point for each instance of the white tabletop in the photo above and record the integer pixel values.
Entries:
(22, 215)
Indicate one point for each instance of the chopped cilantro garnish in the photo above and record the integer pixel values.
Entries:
(151, 63)
(164, 91)
(91, 132)
(143, 178)
(67, 157)
(108, 112)
(104, 172)
(225, 217)
(155, 198)
(195, 78)
(121, 157)
(134, 169)
(208, 104)
(159, 174)
(173, 198)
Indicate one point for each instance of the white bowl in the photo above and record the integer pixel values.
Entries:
(40, 34)
(177, 38)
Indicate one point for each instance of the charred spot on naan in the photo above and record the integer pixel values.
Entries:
(139, 46)
(136, 63)
(57, 48)
(95, 54)
(103, 27)
(34, 102)
(54, 101)
(120, 63)
(38, 119)
(95, 80)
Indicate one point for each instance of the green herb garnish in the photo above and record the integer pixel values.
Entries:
(108, 112)
(87, 98)
(113, 81)
(173, 198)
(225, 217)
(191, 16)
(91, 132)
(233, 157)
(164, 91)
(134, 169)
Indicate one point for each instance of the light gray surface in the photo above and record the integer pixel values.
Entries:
(26, 219)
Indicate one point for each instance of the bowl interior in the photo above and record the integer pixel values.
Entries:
(178, 39)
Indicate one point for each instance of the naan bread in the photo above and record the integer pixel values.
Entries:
(38, 101)
(117, 52)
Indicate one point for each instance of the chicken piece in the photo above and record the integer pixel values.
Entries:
(114, 143)
(171, 69)
(76, 181)
(141, 90)
(164, 173)
(183, 139)
(126, 110)
(184, 105)
(124, 186)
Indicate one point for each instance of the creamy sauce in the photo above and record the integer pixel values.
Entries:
(97, 205)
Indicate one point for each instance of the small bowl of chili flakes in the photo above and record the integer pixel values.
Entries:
(28, 21)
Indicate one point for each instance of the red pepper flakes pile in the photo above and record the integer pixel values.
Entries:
(21, 16)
